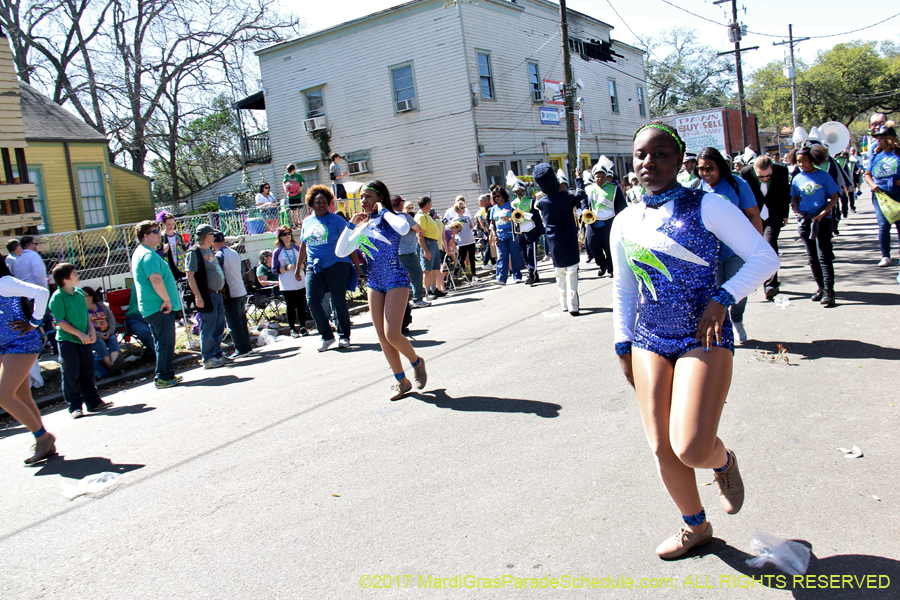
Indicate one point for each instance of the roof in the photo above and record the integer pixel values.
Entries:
(46, 120)
(255, 101)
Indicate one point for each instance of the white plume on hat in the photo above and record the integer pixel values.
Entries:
(814, 135)
(632, 175)
(749, 155)
(603, 164)
(800, 135)
(562, 177)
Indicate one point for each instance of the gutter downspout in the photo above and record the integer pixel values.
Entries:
(462, 31)
(72, 187)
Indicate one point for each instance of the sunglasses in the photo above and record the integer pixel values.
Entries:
(709, 169)
(155, 231)
(284, 235)
(764, 176)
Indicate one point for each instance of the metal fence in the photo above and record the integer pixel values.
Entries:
(103, 256)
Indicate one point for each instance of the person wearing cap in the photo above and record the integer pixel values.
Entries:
(207, 280)
(606, 200)
(532, 229)
(157, 299)
(636, 191)
(557, 208)
(882, 176)
(235, 311)
(688, 177)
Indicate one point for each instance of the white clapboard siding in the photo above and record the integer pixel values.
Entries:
(409, 151)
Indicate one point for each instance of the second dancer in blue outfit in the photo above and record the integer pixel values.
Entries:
(376, 232)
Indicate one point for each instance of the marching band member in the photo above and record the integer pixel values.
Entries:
(531, 230)
(557, 208)
(637, 191)
(377, 231)
(688, 176)
(606, 200)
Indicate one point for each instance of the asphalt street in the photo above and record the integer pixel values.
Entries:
(523, 462)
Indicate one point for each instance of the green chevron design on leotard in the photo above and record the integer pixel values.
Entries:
(639, 254)
(364, 244)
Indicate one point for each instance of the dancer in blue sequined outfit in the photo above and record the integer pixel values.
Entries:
(672, 334)
(20, 343)
(377, 233)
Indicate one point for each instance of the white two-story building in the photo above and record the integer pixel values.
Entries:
(445, 99)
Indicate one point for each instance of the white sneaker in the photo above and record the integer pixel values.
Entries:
(326, 344)
(740, 334)
(420, 304)
(343, 343)
(884, 262)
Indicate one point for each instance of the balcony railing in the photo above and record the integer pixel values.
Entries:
(255, 148)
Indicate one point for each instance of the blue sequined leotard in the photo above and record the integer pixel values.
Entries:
(11, 342)
(675, 266)
(381, 248)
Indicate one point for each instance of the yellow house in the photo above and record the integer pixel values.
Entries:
(17, 215)
(68, 162)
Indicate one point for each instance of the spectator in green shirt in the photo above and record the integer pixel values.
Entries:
(156, 296)
(75, 336)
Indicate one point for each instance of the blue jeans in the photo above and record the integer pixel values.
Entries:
(102, 348)
(414, 269)
(507, 249)
(725, 271)
(236, 317)
(163, 327)
(212, 328)
(138, 327)
(334, 279)
(884, 230)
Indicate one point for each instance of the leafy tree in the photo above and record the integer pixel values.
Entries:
(684, 75)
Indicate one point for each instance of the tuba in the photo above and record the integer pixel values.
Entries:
(835, 136)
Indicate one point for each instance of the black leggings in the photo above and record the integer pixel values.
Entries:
(296, 307)
(464, 251)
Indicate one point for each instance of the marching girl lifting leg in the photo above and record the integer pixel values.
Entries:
(673, 337)
(20, 343)
(377, 231)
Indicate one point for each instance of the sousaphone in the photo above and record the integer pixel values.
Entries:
(835, 136)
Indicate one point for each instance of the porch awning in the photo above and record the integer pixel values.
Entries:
(256, 101)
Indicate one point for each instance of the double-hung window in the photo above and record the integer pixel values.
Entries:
(642, 106)
(534, 79)
(93, 198)
(315, 103)
(613, 96)
(485, 75)
(404, 87)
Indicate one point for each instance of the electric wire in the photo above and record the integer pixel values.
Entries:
(830, 35)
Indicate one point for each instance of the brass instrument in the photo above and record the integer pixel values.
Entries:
(588, 217)
(580, 230)
(517, 217)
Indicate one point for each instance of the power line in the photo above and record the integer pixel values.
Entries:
(694, 14)
(818, 37)
(552, 37)
(636, 36)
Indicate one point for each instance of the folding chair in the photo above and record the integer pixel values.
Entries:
(118, 301)
(455, 269)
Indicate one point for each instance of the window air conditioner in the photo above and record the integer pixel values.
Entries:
(537, 95)
(405, 105)
(314, 124)
(360, 166)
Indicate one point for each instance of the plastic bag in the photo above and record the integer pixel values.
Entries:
(90, 484)
(267, 336)
(789, 556)
(782, 302)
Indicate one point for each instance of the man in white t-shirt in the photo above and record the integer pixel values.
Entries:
(337, 173)
(235, 312)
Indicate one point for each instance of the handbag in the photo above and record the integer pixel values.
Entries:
(890, 208)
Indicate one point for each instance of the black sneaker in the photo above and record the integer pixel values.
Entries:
(439, 293)
(101, 407)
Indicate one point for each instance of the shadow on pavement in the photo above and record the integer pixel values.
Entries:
(593, 311)
(817, 583)
(12, 428)
(376, 347)
(134, 409)
(440, 399)
(79, 468)
(217, 381)
(828, 348)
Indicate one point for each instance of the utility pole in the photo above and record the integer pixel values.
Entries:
(735, 33)
(568, 92)
(792, 72)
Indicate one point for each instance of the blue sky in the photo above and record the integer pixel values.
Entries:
(650, 17)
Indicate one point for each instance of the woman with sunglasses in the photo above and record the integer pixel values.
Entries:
(502, 233)
(291, 279)
(377, 232)
(265, 198)
(671, 328)
(718, 178)
(325, 270)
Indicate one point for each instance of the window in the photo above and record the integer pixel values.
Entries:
(534, 78)
(516, 167)
(485, 77)
(315, 103)
(93, 200)
(495, 173)
(359, 162)
(576, 46)
(404, 86)
(613, 96)
(40, 205)
(642, 107)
